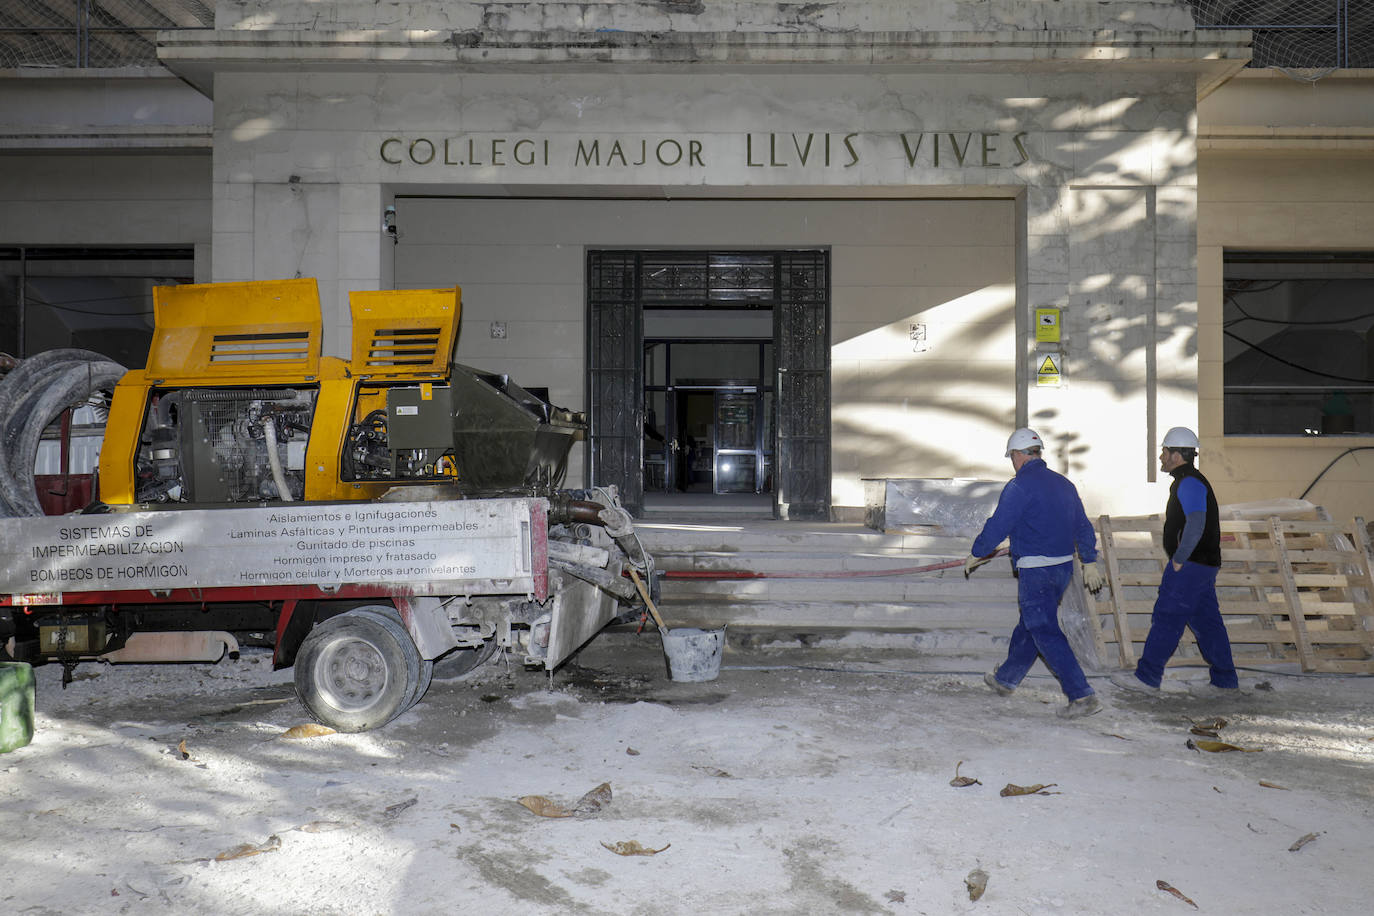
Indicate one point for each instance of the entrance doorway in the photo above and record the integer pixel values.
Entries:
(708, 373)
(708, 434)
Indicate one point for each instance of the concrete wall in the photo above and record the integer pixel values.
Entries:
(1281, 201)
(100, 199)
(941, 408)
(704, 15)
(1101, 167)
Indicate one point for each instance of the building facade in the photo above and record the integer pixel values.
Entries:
(768, 247)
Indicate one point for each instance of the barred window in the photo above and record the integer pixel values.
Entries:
(1299, 343)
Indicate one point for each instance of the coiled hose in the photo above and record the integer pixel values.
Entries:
(32, 396)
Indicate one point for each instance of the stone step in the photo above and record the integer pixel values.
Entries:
(994, 617)
(843, 591)
(804, 561)
(771, 536)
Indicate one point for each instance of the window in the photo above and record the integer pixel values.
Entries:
(1298, 343)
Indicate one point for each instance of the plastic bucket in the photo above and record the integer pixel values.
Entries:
(692, 654)
(16, 705)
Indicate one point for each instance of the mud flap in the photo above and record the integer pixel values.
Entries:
(580, 610)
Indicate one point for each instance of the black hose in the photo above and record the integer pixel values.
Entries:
(32, 396)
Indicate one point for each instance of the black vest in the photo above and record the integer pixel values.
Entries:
(1208, 550)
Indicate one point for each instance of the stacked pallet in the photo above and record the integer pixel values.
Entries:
(1291, 589)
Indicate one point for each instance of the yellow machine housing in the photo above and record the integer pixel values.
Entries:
(237, 404)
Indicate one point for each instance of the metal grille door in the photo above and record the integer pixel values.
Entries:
(801, 334)
(615, 397)
(794, 284)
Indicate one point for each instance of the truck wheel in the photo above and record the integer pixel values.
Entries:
(464, 661)
(357, 671)
(425, 671)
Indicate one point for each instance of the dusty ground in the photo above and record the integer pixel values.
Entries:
(800, 781)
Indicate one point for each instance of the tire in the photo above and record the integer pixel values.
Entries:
(357, 671)
(462, 662)
(424, 670)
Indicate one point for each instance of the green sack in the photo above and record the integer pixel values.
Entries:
(16, 705)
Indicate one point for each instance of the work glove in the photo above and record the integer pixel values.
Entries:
(971, 564)
(1093, 578)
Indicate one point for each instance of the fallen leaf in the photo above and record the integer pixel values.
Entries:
(1203, 732)
(1221, 747)
(544, 807)
(393, 810)
(712, 771)
(1011, 789)
(593, 801)
(1115, 735)
(308, 730)
(1274, 785)
(321, 826)
(1170, 889)
(1212, 724)
(1218, 791)
(976, 882)
(1252, 829)
(1302, 841)
(181, 749)
(244, 850)
(895, 896)
(632, 752)
(960, 781)
(632, 848)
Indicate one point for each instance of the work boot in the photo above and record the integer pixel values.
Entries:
(1002, 690)
(1083, 706)
(1127, 680)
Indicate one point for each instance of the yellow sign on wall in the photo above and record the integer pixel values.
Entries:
(1047, 325)
(1047, 373)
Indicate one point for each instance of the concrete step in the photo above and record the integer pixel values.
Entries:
(847, 591)
(912, 616)
(791, 537)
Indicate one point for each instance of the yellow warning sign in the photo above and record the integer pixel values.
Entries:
(1048, 374)
(1047, 325)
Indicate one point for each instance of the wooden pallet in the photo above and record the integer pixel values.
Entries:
(1290, 590)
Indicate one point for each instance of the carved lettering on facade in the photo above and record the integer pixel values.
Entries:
(936, 149)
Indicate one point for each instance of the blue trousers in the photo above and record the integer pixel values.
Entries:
(1187, 598)
(1037, 634)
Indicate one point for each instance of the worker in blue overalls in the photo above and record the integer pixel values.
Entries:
(1041, 512)
(1188, 588)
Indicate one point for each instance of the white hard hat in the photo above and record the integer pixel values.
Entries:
(1180, 437)
(1023, 439)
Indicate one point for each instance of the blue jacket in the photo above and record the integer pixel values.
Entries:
(1041, 512)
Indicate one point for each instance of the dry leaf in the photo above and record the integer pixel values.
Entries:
(1302, 841)
(712, 771)
(1203, 732)
(586, 806)
(244, 850)
(1212, 724)
(593, 801)
(960, 781)
(1011, 789)
(632, 752)
(632, 848)
(896, 896)
(976, 882)
(181, 748)
(321, 826)
(1221, 747)
(1170, 889)
(308, 730)
(393, 810)
(544, 807)
(1274, 785)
